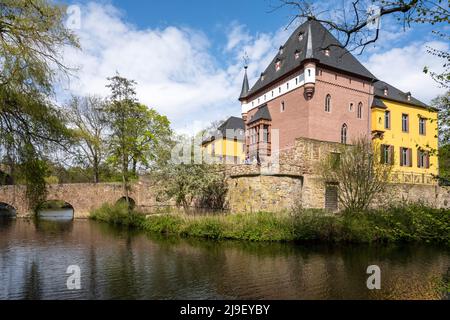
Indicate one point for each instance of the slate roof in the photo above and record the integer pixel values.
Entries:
(378, 103)
(232, 123)
(394, 94)
(318, 38)
(245, 86)
(263, 113)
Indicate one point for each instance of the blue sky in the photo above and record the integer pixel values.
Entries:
(187, 55)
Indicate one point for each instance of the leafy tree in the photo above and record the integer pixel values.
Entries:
(358, 172)
(32, 33)
(442, 104)
(201, 185)
(138, 134)
(121, 113)
(87, 116)
(151, 138)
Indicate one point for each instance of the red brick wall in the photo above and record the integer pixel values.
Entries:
(308, 119)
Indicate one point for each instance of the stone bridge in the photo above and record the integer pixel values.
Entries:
(83, 197)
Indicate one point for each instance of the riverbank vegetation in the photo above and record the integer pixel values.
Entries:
(401, 223)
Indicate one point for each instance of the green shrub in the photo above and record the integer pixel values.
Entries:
(165, 224)
(118, 214)
(406, 222)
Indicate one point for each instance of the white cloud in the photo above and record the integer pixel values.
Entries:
(178, 74)
(403, 68)
(174, 67)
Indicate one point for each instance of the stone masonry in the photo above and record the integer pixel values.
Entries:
(294, 182)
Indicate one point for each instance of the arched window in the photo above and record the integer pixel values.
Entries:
(360, 106)
(328, 103)
(282, 106)
(344, 134)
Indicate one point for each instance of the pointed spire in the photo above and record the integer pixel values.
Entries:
(245, 86)
(309, 48)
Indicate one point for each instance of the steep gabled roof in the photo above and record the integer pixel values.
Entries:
(318, 38)
(245, 86)
(263, 113)
(395, 94)
(232, 123)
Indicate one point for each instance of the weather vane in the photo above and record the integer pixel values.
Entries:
(245, 58)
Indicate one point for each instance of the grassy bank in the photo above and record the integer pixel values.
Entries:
(413, 222)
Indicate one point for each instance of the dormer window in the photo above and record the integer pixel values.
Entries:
(301, 35)
(278, 65)
(385, 91)
(408, 96)
(281, 50)
(297, 54)
(262, 76)
(327, 52)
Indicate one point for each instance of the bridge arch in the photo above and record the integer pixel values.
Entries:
(7, 210)
(56, 209)
(124, 199)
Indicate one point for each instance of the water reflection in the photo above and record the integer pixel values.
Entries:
(56, 214)
(119, 264)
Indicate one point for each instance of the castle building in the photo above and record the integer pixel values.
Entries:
(315, 89)
(227, 143)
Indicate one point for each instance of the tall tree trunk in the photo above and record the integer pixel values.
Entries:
(96, 170)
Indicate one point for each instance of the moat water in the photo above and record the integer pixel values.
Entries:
(122, 264)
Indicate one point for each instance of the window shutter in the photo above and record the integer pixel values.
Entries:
(401, 157)
(383, 158)
(391, 154)
(409, 157)
(427, 159)
(418, 158)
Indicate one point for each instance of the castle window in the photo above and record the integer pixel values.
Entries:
(265, 98)
(279, 89)
(387, 119)
(344, 134)
(278, 65)
(301, 35)
(296, 81)
(423, 159)
(405, 157)
(387, 154)
(350, 107)
(297, 55)
(359, 113)
(422, 126)
(281, 50)
(266, 133)
(272, 93)
(405, 123)
(328, 103)
(282, 106)
(287, 86)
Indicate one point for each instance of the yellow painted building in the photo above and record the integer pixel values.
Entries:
(226, 144)
(405, 130)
